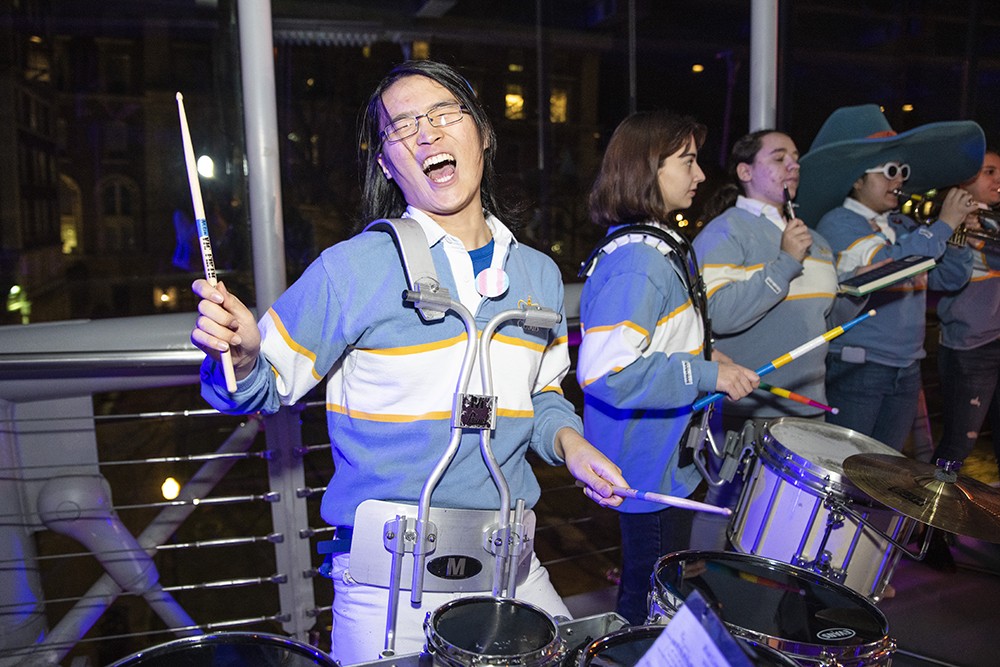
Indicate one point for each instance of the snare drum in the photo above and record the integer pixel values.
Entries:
(229, 648)
(802, 615)
(783, 511)
(488, 631)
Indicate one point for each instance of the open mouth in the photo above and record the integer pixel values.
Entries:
(439, 168)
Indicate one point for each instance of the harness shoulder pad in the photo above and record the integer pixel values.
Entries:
(415, 255)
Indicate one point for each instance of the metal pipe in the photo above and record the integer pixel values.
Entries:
(264, 170)
(763, 63)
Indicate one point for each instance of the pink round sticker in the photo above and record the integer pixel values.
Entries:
(492, 282)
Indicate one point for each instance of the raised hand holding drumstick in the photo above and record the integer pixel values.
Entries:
(219, 347)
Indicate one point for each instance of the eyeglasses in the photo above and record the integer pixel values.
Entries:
(892, 170)
(440, 116)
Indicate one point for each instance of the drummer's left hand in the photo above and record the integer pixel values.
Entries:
(587, 464)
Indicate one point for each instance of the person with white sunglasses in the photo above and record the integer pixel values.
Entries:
(850, 182)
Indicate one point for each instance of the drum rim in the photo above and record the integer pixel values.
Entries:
(554, 649)
(603, 641)
(793, 648)
(780, 458)
(222, 639)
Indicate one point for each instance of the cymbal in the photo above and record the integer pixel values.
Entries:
(929, 494)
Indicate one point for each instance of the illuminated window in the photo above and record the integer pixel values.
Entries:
(558, 102)
(514, 102)
(70, 214)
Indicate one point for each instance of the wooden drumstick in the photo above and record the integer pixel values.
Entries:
(207, 257)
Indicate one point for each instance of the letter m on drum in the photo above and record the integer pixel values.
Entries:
(454, 566)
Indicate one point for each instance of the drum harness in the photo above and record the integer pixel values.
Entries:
(679, 252)
(507, 538)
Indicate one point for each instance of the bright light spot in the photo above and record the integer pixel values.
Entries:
(557, 248)
(35, 39)
(15, 290)
(514, 67)
(310, 82)
(206, 167)
(697, 68)
(907, 108)
(679, 217)
(170, 488)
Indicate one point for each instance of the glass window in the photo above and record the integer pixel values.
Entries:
(514, 102)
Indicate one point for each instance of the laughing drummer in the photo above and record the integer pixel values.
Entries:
(851, 178)
(392, 376)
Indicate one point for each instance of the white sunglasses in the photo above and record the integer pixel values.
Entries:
(891, 170)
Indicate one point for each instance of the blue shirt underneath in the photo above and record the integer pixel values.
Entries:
(481, 258)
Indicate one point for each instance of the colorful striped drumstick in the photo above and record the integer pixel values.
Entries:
(790, 356)
(798, 398)
(207, 257)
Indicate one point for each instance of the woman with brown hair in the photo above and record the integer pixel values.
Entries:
(643, 359)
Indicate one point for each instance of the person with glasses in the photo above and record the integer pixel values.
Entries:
(644, 358)
(428, 150)
(771, 287)
(851, 181)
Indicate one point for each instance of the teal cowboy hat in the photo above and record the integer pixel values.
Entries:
(857, 138)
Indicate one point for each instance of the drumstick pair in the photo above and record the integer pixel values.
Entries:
(790, 356)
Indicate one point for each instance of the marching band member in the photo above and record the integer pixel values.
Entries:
(969, 353)
(392, 377)
(873, 372)
(771, 286)
(642, 359)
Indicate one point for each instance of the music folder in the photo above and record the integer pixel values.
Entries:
(886, 275)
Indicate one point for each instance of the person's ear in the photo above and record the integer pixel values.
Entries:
(743, 172)
(385, 170)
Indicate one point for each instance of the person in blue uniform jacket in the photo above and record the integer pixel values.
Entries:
(391, 377)
(642, 363)
(850, 182)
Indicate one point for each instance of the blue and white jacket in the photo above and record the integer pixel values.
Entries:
(970, 318)
(640, 367)
(895, 336)
(391, 378)
(763, 303)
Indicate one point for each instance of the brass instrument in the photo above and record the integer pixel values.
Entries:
(924, 209)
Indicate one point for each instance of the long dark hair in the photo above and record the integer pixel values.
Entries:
(381, 197)
(626, 190)
(744, 150)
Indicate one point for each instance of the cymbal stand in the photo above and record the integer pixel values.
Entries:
(838, 505)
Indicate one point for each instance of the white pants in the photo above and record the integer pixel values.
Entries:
(359, 612)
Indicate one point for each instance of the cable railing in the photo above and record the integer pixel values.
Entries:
(222, 554)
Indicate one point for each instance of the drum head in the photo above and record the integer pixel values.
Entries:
(788, 608)
(228, 649)
(486, 630)
(818, 449)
